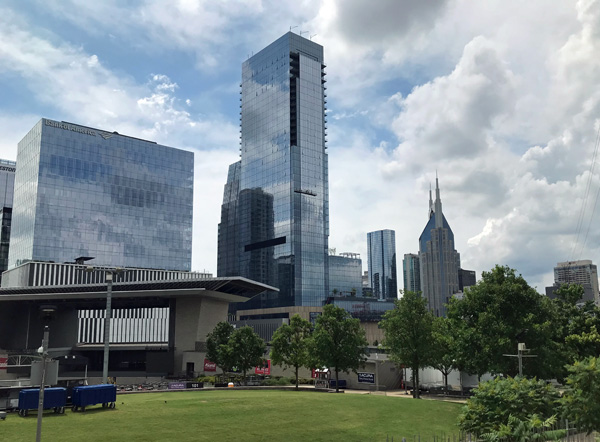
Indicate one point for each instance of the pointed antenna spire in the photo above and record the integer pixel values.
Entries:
(430, 202)
(439, 217)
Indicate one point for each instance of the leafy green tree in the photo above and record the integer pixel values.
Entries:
(290, 345)
(581, 401)
(218, 349)
(408, 333)
(443, 345)
(247, 348)
(500, 311)
(338, 342)
(575, 327)
(494, 401)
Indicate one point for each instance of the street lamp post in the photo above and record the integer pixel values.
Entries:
(44, 353)
(109, 276)
(109, 282)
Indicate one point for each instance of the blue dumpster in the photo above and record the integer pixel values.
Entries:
(86, 395)
(54, 398)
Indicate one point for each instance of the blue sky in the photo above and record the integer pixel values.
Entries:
(502, 98)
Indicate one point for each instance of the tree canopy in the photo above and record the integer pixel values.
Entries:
(408, 332)
(217, 345)
(338, 341)
(247, 348)
(496, 314)
(290, 345)
(581, 401)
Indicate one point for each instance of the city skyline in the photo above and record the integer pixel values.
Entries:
(506, 90)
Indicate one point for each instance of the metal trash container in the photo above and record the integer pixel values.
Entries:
(86, 395)
(54, 398)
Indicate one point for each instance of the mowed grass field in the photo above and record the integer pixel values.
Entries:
(242, 415)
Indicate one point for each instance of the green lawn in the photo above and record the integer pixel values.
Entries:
(239, 415)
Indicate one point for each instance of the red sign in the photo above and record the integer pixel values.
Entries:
(209, 366)
(265, 369)
(3, 362)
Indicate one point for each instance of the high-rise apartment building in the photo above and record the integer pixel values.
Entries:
(85, 192)
(412, 272)
(275, 215)
(438, 258)
(581, 272)
(381, 248)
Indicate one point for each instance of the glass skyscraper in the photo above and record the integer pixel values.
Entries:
(275, 215)
(381, 247)
(345, 274)
(412, 272)
(81, 191)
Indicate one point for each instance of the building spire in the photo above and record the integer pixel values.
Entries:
(430, 202)
(439, 217)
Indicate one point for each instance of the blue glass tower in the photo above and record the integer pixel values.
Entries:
(81, 191)
(439, 261)
(275, 215)
(381, 247)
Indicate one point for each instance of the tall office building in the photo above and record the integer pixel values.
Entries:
(581, 272)
(438, 259)
(345, 274)
(412, 272)
(466, 278)
(381, 247)
(85, 192)
(7, 186)
(275, 215)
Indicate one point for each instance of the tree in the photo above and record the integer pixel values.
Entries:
(290, 345)
(338, 342)
(495, 401)
(442, 348)
(496, 314)
(247, 348)
(408, 332)
(581, 401)
(575, 327)
(217, 344)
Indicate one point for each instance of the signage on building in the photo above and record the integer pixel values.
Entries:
(209, 366)
(71, 127)
(177, 386)
(8, 169)
(265, 369)
(366, 378)
(3, 361)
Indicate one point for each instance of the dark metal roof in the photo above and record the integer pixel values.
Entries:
(230, 288)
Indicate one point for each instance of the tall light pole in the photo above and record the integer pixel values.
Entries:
(109, 276)
(109, 282)
(46, 314)
(44, 353)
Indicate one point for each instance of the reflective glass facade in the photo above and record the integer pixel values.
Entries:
(274, 229)
(345, 276)
(412, 272)
(7, 182)
(81, 191)
(381, 247)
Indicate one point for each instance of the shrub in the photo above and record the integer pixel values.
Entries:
(495, 400)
